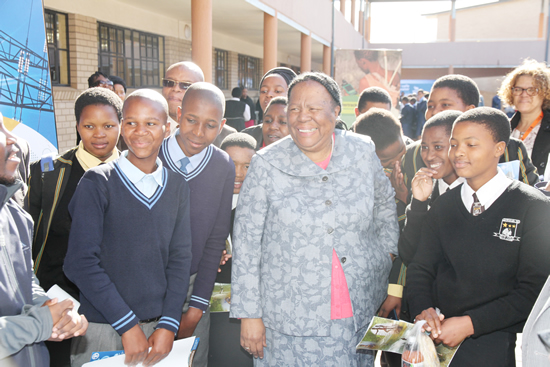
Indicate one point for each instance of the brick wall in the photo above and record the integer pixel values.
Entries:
(64, 98)
(176, 50)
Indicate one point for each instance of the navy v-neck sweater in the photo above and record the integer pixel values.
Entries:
(211, 184)
(490, 267)
(128, 254)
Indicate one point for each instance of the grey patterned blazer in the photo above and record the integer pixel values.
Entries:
(536, 333)
(291, 214)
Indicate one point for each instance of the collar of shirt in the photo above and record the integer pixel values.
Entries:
(88, 160)
(147, 183)
(488, 193)
(234, 99)
(177, 154)
(443, 185)
(234, 201)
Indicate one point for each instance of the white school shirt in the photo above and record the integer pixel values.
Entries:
(146, 183)
(177, 154)
(488, 193)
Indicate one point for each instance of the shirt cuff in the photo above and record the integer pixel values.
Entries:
(418, 205)
(395, 290)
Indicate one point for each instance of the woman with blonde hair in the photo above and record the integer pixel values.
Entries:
(527, 88)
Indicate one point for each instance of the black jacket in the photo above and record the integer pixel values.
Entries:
(541, 149)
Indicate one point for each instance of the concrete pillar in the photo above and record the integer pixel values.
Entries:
(343, 7)
(270, 42)
(353, 13)
(361, 21)
(201, 38)
(367, 20)
(541, 20)
(305, 53)
(326, 60)
(452, 22)
(451, 69)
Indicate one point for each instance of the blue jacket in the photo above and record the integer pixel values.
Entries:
(24, 324)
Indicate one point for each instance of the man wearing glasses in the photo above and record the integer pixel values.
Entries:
(98, 79)
(178, 78)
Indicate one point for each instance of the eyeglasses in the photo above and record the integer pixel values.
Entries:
(104, 84)
(169, 83)
(517, 91)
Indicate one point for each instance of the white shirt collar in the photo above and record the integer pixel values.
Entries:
(488, 193)
(134, 174)
(176, 153)
(442, 185)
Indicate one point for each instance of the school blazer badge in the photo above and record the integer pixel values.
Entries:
(508, 228)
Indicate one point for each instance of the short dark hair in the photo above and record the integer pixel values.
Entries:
(97, 96)
(405, 99)
(277, 100)
(236, 92)
(326, 81)
(465, 88)
(444, 119)
(381, 125)
(241, 140)
(94, 76)
(118, 80)
(492, 119)
(373, 94)
(412, 99)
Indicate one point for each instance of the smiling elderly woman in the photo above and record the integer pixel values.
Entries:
(314, 229)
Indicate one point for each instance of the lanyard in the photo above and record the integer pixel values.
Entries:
(535, 123)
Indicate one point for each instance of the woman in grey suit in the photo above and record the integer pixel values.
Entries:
(314, 229)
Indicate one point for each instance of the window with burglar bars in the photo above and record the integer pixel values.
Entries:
(58, 46)
(137, 57)
(222, 69)
(249, 72)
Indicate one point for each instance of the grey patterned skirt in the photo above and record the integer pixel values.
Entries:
(338, 349)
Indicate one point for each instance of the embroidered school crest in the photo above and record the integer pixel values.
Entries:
(508, 228)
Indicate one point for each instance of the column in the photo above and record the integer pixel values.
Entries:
(367, 20)
(343, 7)
(305, 53)
(326, 60)
(201, 36)
(541, 20)
(270, 42)
(452, 22)
(353, 13)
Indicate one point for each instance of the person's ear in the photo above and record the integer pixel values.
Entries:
(500, 147)
(469, 107)
(221, 126)
(121, 129)
(178, 113)
(337, 111)
(356, 112)
(167, 128)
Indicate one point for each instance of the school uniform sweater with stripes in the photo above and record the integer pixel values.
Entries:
(211, 184)
(490, 267)
(129, 254)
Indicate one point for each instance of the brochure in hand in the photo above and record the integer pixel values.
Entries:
(391, 336)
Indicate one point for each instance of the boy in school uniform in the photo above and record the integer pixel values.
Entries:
(210, 174)
(484, 254)
(130, 243)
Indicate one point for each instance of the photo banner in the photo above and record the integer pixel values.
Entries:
(357, 70)
(26, 100)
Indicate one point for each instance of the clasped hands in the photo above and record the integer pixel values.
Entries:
(451, 331)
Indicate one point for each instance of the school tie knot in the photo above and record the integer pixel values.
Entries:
(477, 208)
(183, 164)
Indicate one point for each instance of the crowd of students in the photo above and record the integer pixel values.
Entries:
(138, 229)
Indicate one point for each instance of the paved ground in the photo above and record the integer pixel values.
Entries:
(518, 354)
